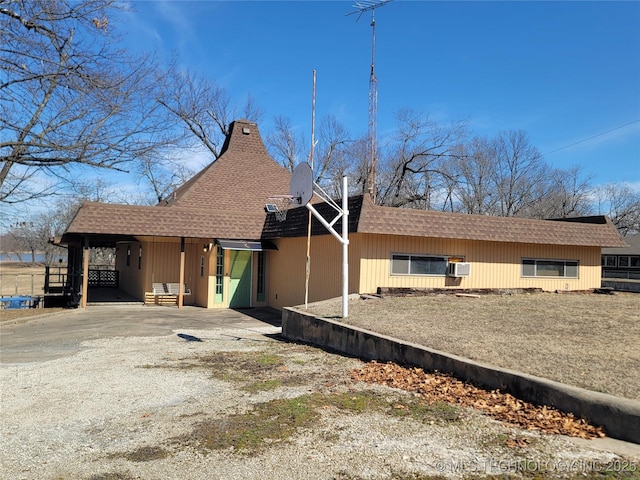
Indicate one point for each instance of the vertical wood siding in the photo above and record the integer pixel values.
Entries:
(286, 269)
(161, 263)
(493, 264)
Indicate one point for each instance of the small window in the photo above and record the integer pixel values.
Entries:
(609, 261)
(202, 265)
(128, 255)
(549, 268)
(418, 265)
(140, 258)
(219, 273)
(632, 261)
(261, 277)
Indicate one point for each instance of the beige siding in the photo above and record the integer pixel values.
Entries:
(131, 277)
(160, 262)
(493, 264)
(286, 270)
(200, 287)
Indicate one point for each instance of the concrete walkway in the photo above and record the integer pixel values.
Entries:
(50, 336)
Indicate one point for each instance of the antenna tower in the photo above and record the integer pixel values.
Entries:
(372, 133)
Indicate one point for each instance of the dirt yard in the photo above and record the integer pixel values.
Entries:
(587, 340)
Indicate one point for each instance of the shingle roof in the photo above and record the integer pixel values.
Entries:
(632, 247)
(365, 217)
(296, 223)
(103, 218)
(240, 180)
(426, 223)
(226, 199)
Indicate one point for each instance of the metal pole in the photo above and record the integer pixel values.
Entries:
(181, 275)
(345, 249)
(313, 141)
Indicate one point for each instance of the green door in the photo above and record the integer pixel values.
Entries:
(240, 276)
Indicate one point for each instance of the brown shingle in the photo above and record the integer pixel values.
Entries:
(103, 218)
(365, 217)
(424, 223)
(240, 180)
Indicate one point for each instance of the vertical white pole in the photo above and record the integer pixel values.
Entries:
(345, 249)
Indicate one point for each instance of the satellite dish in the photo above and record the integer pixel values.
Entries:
(301, 185)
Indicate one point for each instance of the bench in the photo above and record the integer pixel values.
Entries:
(165, 293)
(169, 289)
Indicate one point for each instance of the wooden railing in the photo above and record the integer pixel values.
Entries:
(22, 283)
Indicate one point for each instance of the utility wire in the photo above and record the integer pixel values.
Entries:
(592, 137)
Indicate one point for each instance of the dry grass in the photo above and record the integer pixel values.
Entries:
(587, 340)
(21, 278)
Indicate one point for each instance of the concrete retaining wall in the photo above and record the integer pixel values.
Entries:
(618, 416)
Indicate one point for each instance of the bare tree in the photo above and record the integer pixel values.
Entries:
(32, 232)
(473, 172)
(26, 238)
(68, 95)
(161, 174)
(205, 108)
(414, 163)
(621, 204)
(519, 168)
(332, 153)
(285, 144)
(564, 193)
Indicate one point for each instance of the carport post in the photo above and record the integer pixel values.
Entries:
(85, 272)
(181, 287)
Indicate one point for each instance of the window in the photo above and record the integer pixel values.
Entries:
(549, 268)
(260, 287)
(219, 273)
(202, 265)
(418, 265)
(609, 261)
(140, 258)
(128, 255)
(632, 261)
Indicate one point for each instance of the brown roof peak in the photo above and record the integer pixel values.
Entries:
(242, 134)
(240, 180)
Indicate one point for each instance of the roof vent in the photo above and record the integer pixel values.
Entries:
(246, 130)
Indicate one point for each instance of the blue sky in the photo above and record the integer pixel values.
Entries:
(562, 71)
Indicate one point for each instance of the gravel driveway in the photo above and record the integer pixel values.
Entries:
(209, 399)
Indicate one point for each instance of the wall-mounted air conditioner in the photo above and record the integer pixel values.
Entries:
(459, 269)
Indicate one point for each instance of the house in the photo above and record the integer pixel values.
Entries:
(622, 262)
(213, 236)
